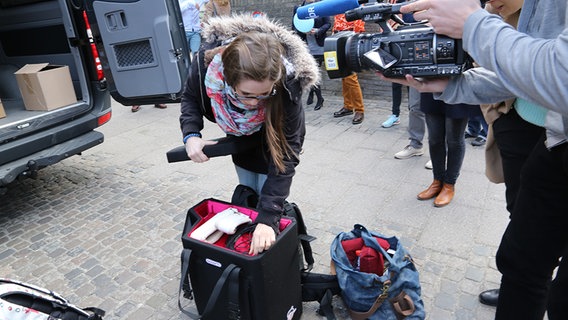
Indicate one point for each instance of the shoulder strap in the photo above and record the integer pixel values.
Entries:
(184, 285)
(215, 13)
(355, 315)
(230, 275)
(292, 210)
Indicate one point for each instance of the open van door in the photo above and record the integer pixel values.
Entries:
(142, 47)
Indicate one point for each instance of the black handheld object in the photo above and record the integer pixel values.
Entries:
(224, 146)
(413, 48)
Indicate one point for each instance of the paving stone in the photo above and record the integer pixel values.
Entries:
(103, 229)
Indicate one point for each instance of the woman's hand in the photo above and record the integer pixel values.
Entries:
(194, 148)
(263, 238)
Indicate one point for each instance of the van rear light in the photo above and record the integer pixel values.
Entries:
(104, 118)
(97, 60)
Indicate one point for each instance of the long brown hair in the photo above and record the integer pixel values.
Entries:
(258, 56)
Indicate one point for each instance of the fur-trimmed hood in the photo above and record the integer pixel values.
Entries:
(305, 68)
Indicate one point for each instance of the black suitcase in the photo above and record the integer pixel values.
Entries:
(227, 284)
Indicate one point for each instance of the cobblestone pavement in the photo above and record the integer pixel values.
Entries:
(103, 228)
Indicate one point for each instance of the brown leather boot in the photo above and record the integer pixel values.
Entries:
(431, 192)
(445, 196)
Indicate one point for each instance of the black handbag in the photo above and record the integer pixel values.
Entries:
(228, 284)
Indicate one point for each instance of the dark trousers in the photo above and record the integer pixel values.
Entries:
(396, 98)
(515, 139)
(535, 239)
(447, 146)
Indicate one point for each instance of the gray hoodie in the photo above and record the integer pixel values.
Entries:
(531, 63)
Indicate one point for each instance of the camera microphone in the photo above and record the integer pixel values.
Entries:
(326, 8)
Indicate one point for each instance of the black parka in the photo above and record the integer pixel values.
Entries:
(302, 73)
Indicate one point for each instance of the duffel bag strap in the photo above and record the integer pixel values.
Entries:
(402, 305)
(355, 315)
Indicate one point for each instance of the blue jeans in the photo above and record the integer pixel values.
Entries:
(193, 40)
(447, 146)
(251, 179)
(477, 126)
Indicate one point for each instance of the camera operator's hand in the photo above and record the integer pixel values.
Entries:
(194, 148)
(446, 16)
(422, 85)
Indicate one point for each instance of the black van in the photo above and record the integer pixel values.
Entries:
(136, 51)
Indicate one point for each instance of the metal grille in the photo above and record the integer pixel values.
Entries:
(134, 54)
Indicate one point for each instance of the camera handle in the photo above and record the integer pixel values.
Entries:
(379, 13)
(385, 26)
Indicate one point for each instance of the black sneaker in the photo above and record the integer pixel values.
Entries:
(478, 142)
(468, 135)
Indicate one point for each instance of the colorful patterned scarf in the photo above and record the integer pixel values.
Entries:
(233, 116)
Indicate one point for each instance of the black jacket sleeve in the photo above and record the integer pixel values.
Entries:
(195, 104)
(277, 186)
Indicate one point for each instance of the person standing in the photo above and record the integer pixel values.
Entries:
(535, 241)
(192, 23)
(315, 39)
(352, 94)
(477, 129)
(137, 107)
(510, 139)
(416, 127)
(446, 124)
(215, 8)
(394, 118)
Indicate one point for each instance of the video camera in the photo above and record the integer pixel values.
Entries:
(414, 48)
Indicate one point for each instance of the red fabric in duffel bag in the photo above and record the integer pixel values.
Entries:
(352, 245)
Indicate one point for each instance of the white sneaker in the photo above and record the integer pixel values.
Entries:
(428, 165)
(408, 152)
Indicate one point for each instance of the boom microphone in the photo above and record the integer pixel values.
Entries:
(326, 8)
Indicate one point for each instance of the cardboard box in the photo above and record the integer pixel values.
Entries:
(45, 86)
(2, 112)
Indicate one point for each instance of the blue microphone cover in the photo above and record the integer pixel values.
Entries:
(326, 8)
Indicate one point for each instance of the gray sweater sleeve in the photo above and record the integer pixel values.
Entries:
(535, 69)
(475, 86)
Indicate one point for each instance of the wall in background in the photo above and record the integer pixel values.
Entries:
(281, 10)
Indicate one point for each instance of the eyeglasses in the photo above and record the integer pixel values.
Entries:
(261, 97)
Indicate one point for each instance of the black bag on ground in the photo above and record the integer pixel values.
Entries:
(315, 286)
(230, 284)
(19, 299)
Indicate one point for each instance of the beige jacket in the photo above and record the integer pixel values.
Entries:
(215, 8)
(491, 112)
